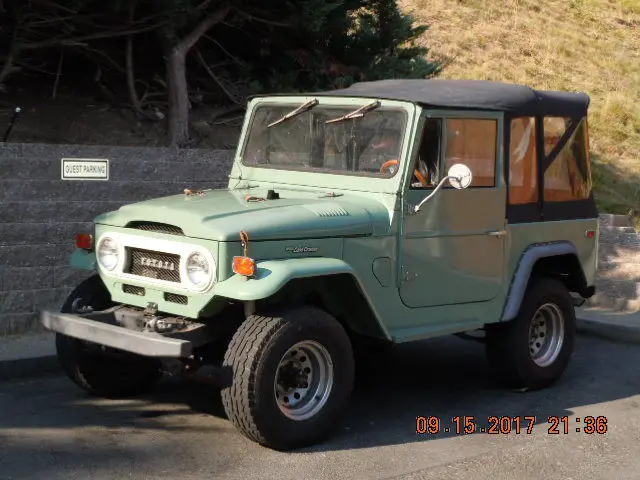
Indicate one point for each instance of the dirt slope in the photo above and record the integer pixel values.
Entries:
(587, 45)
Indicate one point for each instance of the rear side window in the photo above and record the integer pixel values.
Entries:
(473, 142)
(523, 162)
(568, 177)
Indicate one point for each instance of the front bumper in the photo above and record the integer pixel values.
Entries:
(99, 330)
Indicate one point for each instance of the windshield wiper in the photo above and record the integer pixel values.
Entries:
(301, 109)
(356, 113)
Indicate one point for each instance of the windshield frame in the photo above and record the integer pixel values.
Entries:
(302, 168)
(324, 178)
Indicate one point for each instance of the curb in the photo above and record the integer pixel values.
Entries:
(28, 355)
(28, 367)
(616, 332)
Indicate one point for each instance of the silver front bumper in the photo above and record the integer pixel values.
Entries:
(142, 343)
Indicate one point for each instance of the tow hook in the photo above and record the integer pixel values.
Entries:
(158, 325)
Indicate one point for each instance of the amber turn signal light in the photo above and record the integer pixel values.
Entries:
(244, 266)
(84, 241)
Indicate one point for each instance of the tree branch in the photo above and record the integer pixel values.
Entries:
(131, 78)
(216, 79)
(8, 66)
(54, 93)
(229, 54)
(266, 21)
(203, 27)
(96, 36)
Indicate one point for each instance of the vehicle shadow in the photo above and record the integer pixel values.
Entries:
(442, 378)
(445, 378)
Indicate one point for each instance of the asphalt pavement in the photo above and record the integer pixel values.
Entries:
(51, 429)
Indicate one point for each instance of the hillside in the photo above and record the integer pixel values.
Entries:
(587, 45)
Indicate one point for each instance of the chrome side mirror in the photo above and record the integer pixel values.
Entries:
(459, 176)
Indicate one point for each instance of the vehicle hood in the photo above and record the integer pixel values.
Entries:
(221, 214)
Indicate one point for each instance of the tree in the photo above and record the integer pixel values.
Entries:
(334, 43)
(224, 49)
(187, 22)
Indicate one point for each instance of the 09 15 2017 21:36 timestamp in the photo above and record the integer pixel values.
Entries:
(553, 425)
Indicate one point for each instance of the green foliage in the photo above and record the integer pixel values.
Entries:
(333, 43)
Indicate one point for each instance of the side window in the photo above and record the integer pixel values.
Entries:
(569, 175)
(523, 162)
(473, 142)
(425, 173)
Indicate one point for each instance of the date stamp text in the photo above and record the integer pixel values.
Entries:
(503, 425)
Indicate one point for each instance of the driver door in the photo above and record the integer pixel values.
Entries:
(453, 249)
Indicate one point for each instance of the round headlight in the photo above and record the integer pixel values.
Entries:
(107, 253)
(198, 269)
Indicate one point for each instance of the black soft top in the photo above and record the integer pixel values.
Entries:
(472, 94)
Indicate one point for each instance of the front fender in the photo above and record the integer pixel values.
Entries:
(272, 275)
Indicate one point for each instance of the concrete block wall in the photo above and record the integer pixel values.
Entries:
(40, 213)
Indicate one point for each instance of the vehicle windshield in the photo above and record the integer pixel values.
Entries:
(364, 145)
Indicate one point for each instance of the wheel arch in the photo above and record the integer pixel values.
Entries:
(555, 259)
(327, 283)
(338, 294)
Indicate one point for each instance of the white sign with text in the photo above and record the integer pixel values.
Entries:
(84, 169)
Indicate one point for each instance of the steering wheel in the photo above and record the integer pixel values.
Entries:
(386, 165)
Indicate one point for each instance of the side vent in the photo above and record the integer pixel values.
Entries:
(325, 210)
(156, 227)
(133, 290)
(175, 298)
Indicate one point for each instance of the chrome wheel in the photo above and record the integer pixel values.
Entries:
(546, 334)
(304, 379)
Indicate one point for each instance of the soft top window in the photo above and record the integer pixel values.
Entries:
(568, 176)
(473, 142)
(523, 162)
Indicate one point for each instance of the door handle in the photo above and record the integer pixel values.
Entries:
(497, 233)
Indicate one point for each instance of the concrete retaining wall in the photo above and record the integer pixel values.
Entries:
(40, 213)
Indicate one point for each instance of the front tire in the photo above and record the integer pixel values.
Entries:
(292, 377)
(533, 350)
(102, 372)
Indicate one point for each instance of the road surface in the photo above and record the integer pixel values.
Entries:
(51, 429)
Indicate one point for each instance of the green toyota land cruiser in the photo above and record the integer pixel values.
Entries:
(384, 213)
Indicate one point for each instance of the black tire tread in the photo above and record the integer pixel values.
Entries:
(105, 382)
(252, 336)
(98, 378)
(244, 354)
(502, 339)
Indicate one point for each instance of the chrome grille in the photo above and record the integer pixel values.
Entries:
(151, 264)
(175, 298)
(156, 227)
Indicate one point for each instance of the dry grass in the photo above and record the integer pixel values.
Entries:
(578, 45)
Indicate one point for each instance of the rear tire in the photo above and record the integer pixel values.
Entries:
(533, 350)
(292, 376)
(100, 371)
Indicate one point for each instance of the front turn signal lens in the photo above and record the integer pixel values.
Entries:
(244, 266)
(84, 241)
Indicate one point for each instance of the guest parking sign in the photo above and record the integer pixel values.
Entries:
(84, 169)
